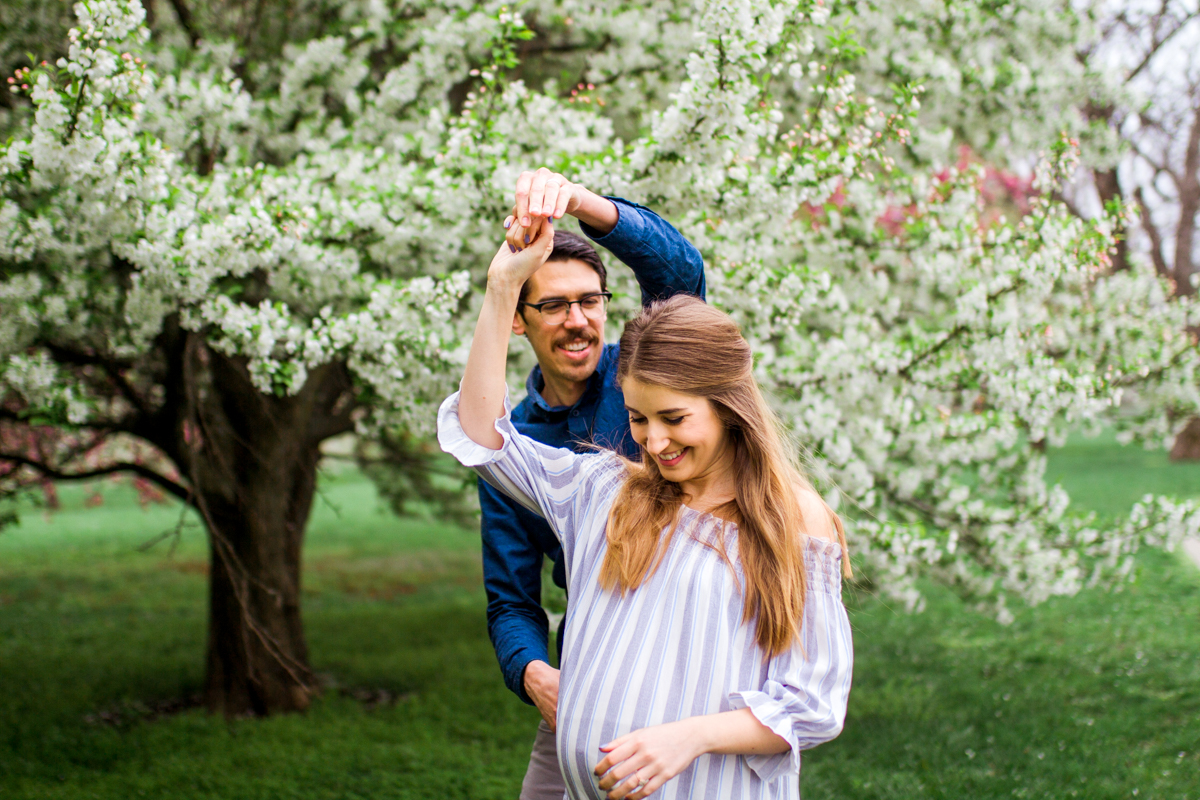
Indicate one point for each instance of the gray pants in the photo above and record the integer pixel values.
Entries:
(543, 779)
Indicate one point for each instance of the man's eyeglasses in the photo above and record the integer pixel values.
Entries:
(555, 312)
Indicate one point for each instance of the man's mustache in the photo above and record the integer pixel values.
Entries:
(588, 338)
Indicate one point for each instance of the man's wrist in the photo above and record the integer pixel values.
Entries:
(534, 669)
(528, 672)
(596, 212)
(533, 679)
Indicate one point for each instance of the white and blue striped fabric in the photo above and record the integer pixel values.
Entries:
(676, 647)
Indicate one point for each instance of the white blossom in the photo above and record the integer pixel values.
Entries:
(922, 350)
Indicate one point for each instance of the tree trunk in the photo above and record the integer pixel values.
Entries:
(1187, 443)
(253, 462)
(257, 653)
(1188, 184)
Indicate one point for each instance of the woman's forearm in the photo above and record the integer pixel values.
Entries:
(640, 762)
(481, 398)
(736, 733)
(481, 401)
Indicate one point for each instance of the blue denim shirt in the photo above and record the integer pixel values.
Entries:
(515, 540)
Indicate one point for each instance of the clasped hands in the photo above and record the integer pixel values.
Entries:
(541, 197)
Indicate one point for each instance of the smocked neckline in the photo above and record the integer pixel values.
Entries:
(706, 515)
(811, 543)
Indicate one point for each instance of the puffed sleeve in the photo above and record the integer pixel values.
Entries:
(549, 481)
(804, 697)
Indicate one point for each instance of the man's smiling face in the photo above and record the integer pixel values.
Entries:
(569, 352)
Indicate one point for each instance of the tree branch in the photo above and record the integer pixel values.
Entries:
(333, 426)
(112, 368)
(543, 45)
(1157, 43)
(1156, 239)
(75, 112)
(1159, 167)
(1174, 361)
(180, 491)
(955, 332)
(184, 14)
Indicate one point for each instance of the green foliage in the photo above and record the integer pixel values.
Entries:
(31, 31)
(414, 477)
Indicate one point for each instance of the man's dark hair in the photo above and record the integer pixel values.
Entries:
(567, 247)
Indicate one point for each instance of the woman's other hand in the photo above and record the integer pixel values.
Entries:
(512, 266)
(639, 763)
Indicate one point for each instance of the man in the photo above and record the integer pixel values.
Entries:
(573, 401)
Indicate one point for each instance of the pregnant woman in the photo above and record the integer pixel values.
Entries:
(706, 643)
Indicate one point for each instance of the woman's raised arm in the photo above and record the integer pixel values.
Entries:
(481, 401)
(552, 482)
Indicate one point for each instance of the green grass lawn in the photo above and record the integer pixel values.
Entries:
(1096, 696)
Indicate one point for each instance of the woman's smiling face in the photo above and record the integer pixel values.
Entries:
(681, 432)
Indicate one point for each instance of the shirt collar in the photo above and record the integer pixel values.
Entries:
(534, 383)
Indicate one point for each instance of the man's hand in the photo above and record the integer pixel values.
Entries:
(639, 763)
(547, 195)
(541, 684)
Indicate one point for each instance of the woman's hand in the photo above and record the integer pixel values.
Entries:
(639, 763)
(481, 393)
(512, 266)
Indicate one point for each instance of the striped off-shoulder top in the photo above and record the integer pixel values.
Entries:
(677, 646)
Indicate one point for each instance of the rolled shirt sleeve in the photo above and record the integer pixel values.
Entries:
(804, 698)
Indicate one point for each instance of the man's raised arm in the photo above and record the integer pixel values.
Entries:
(664, 262)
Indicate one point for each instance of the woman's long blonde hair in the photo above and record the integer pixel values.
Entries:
(687, 346)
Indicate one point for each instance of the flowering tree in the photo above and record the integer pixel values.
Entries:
(202, 326)
(1156, 114)
(209, 265)
(1005, 78)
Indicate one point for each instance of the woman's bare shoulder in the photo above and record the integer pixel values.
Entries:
(818, 517)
